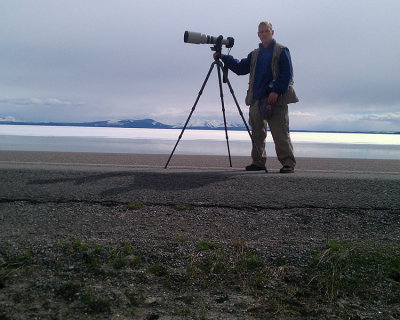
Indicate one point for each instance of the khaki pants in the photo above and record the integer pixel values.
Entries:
(279, 127)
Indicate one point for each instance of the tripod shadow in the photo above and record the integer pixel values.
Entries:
(167, 182)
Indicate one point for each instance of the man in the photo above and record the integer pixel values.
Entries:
(270, 91)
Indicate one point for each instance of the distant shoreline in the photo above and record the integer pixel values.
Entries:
(152, 124)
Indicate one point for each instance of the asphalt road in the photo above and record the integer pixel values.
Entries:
(198, 180)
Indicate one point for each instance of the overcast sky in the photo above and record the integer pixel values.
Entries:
(84, 60)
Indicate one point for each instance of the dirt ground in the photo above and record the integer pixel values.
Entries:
(82, 260)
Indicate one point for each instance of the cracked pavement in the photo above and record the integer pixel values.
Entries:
(120, 179)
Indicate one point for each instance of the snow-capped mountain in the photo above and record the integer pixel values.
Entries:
(150, 123)
(143, 123)
(212, 124)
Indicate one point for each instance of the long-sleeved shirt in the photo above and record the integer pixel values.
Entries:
(263, 78)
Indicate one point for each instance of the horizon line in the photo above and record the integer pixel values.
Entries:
(114, 124)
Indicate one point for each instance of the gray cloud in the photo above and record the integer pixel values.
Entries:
(392, 117)
(126, 59)
(39, 102)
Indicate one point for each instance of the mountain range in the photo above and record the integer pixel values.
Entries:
(153, 124)
(143, 123)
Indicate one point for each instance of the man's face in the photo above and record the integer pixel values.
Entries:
(265, 34)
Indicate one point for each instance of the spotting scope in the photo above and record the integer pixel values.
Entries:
(199, 38)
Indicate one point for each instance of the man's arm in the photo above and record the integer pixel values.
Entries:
(239, 67)
(285, 73)
(281, 84)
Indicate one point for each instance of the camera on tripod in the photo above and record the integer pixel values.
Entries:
(199, 38)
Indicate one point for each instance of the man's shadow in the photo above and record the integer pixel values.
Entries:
(131, 181)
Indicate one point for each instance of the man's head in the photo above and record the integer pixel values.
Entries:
(265, 32)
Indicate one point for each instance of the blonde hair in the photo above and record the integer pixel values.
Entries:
(265, 23)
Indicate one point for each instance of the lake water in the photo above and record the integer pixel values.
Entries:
(205, 142)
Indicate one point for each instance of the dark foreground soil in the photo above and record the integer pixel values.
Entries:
(93, 261)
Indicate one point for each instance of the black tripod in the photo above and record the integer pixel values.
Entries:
(217, 48)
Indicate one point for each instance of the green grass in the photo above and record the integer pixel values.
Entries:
(132, 297)
(89, 256)
(93, 256)
(218, 267)
(366, 270)
(182, 239)
(95, 304)
(118, 256)
(206, 245)
(135, 205)
(13, 262)
(158, 269)
(354, 274)
(183, 207)
(69, 290)
(249, 262)
(78, 246)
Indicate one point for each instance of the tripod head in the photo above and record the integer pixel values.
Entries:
(218, 45)
(220, 41)
(217, 48)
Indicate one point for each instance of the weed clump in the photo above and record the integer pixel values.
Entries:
(366, 270)
(118, 257)
(183, 207)
(96, 304)
(217, 267)
(206, 245)
(135, 205)
(182, 239)
(69, 290)
(11, 262)
(158, 270)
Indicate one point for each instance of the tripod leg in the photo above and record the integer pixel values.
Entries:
(191, 112)
(244, 121)
(223, 110)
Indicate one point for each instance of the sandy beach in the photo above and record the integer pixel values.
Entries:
(118, 236)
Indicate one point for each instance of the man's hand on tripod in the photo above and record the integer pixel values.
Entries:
(217, 55)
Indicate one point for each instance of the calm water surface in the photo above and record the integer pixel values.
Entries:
(207, 142)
